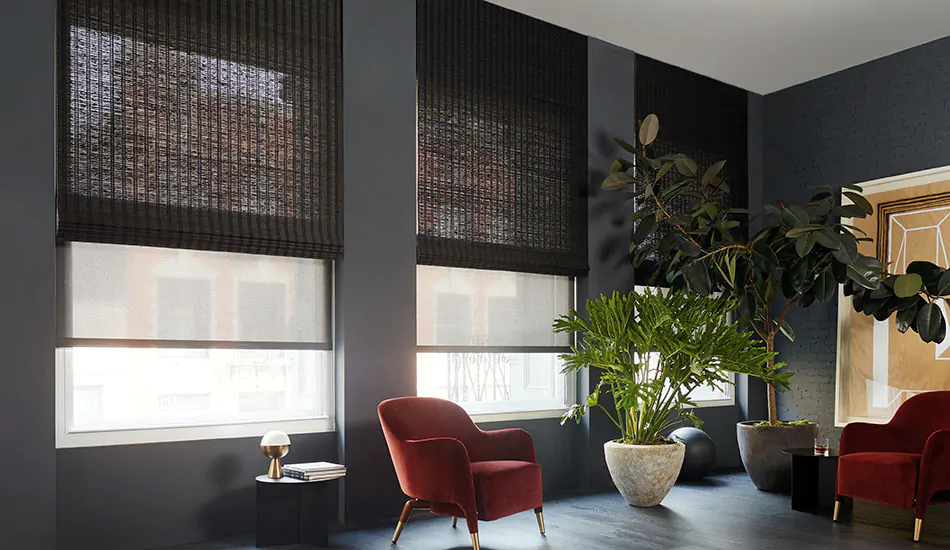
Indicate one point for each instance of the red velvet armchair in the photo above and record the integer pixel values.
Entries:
(445, 463)
(904, 463)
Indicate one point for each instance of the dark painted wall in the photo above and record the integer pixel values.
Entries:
(27, 322)
(610, 100)
(144, 496)
(883, 118)
(376, 294)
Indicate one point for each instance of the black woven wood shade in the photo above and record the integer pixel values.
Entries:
(207, 124)
(700, 117)
(502, 140)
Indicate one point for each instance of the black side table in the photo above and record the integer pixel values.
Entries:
(813, 480)
(292, 511)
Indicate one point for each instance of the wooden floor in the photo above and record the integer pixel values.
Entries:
(725, 513)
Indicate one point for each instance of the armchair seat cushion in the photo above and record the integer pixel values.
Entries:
(506, 487)
(886, 478)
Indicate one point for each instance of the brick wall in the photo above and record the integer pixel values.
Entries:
(886, 117)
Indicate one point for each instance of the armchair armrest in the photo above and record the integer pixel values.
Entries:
(508, 444)
(862, 437)
(934, 469)
(435, 469)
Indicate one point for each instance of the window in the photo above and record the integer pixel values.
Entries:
(199, 208)
(179, 347)
(485, 339)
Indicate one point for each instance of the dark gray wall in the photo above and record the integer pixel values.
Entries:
(27, 325)
(610, 98)
(879, 119)
(145, 496)
(376, 294)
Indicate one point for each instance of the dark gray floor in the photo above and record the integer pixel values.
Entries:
(725, 513)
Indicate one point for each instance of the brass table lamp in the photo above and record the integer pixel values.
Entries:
(275, 445)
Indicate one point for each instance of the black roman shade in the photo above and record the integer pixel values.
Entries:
(700, 117)
(205, 124)
(502, 140)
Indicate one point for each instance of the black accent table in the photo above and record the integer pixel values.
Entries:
(292, 511)
(813, 480)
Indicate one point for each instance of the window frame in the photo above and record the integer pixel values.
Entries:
(64, 438)
(497, 413)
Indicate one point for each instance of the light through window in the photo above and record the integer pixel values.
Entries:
(485, 339)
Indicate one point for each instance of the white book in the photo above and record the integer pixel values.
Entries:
(315, 467)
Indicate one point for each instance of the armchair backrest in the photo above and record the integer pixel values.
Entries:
(408, 418)
(920, 416)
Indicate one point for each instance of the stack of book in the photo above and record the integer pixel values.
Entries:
(314, 471)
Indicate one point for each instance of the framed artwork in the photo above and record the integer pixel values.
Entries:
(878, 368)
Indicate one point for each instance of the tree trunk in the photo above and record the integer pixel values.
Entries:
(773, 407)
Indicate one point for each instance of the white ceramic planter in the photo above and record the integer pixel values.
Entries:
(644, 474)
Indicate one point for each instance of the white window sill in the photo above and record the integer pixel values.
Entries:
(488, 417)
(106, 438)
(715, 403)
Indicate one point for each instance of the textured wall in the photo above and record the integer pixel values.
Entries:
(886, 117)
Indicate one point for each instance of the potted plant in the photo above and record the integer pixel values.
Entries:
(652, 350)
(796, 256)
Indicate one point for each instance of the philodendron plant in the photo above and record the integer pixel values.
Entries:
(797, 256)
(653, 349)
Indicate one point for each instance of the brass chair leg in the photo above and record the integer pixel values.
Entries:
(540, 516)
(837, 510)
(455, 522)
(475, 544)
(411, 504)
(918, 525)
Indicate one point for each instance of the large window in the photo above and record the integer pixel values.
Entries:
(190, 339)
(190, 344)
(485, 339)
(199, 208)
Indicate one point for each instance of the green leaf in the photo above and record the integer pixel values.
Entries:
(807, 299)
(617, 180)
(675, 188)
(799, 275)
(788, 287)
(928, 271)
(644, 229)
(860, 201)
(840, 271)
(799, 231)
(906, 318)
(746, 306)
(848, 251)
(686, 166)
(712, 172)
(663, 170)
(617, 166)
(786, 330)
(642, 213)
(908, 285)
(791, 219)
(804, 244)
(942, 287)
(649, 128)
(828, 239)
(825, 286)
(687, 247)
(930, 323)
(764, 257)
(698, 279)
(627, 146)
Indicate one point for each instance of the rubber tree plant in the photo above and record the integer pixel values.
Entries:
(797, 255)
(653, 349)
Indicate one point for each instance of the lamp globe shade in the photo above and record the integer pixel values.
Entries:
(275, 438)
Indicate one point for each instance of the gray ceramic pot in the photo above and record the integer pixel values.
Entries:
(761, 450)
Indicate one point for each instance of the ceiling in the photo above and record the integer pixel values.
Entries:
(758, 45)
